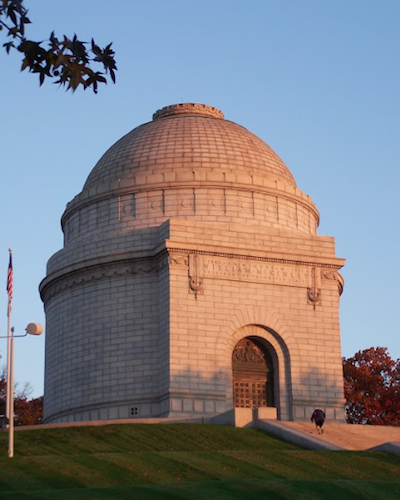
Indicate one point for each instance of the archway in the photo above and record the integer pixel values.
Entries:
(252, 369)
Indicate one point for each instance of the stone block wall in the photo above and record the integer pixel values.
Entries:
(139, 209)
(303, 335)
(101, 348)
(146, 327)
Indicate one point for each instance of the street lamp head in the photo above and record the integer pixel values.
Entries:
(34, 329)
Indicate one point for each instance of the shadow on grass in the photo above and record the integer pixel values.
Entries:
(229, 490)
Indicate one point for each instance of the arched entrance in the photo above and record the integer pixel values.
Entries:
(253, 385)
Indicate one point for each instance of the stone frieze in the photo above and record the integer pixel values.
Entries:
(256, 271)
(201, 266)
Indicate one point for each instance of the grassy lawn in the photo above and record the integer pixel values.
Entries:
(184, 461)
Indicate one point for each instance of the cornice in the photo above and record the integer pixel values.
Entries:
(166, 256)
(246, 254)
(76, 275)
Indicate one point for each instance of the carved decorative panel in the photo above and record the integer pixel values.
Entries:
(248, 353)
(257, 271)
(196, 274)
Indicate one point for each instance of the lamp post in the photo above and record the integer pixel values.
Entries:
(31, 329)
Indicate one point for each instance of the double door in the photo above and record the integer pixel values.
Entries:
(252, 375)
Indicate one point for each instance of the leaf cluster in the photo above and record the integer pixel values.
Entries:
(372, 387)
(69, 62)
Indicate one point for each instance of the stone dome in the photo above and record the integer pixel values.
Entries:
(189, 137)
(188, 163)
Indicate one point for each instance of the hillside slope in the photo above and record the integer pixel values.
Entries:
(185, 461)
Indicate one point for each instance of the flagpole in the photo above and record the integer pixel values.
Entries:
(9, 307)
(8, 364)
(31, 329)
(11, 410)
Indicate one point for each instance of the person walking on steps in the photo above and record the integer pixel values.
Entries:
(319, 418)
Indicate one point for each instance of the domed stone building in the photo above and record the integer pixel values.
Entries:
(192, 281)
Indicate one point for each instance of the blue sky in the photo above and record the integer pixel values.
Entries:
(317, 80)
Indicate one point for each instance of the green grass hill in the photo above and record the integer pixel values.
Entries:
(185, 461)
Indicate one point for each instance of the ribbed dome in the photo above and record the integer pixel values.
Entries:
(188, 137)
(188, 163)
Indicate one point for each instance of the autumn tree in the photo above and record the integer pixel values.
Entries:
(3, 391)
(67, 61)
(27, 411)
(372, 387)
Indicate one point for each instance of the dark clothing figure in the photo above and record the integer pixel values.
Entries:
(319, 418)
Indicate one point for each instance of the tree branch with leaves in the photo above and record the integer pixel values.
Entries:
(69, 62)
(372, 387)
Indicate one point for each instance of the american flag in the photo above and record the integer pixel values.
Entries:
(10, 284)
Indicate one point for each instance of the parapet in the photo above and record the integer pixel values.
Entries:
(188, 108)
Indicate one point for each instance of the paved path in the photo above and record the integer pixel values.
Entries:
(352, 437)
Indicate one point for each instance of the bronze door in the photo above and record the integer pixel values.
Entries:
(252, 375)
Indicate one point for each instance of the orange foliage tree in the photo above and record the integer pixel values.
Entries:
(26, 411)
(372, 387)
